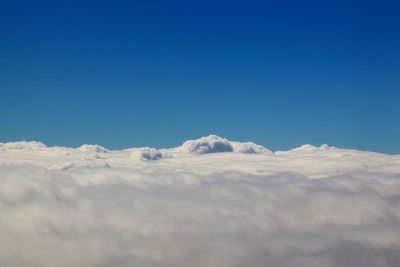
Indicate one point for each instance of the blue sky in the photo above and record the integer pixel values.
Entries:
(155, 73)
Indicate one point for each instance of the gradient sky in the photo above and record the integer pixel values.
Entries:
(155, 73)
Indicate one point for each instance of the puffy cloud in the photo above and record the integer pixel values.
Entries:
(216, 144)
(209, 144)
(148, 153)
(249, 148)
(22, 145)
(298, 208)
(93, 148)
(312, 148)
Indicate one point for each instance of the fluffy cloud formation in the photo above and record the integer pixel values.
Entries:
(209, 144)
(148, 153)
(249, 148)
(304, 207)
(93, 148)
(216, 144)
(23, 145)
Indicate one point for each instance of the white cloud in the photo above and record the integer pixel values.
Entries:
(209, 144)
(22, 145)
(216, 144)
(308, 207)
(249, 148)
(93, 148)
(148, 153)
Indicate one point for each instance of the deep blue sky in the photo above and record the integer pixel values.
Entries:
(155, 73)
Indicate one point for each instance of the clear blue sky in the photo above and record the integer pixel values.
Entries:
(155, 73)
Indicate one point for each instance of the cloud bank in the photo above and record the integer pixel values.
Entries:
(311, 206)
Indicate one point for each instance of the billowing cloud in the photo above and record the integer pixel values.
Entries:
(305, 207)
(23, 145)
(209, 144)
(249, 148)
(93, 148)
(148, 153)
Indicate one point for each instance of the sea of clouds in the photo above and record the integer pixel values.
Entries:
(209, 202)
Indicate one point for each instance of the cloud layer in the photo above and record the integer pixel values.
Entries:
(312, 206)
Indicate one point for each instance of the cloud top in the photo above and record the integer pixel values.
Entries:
(249, 148)
(209, 144)
(216, 144)
(22, 145)
(93, 148)
(149, 154)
